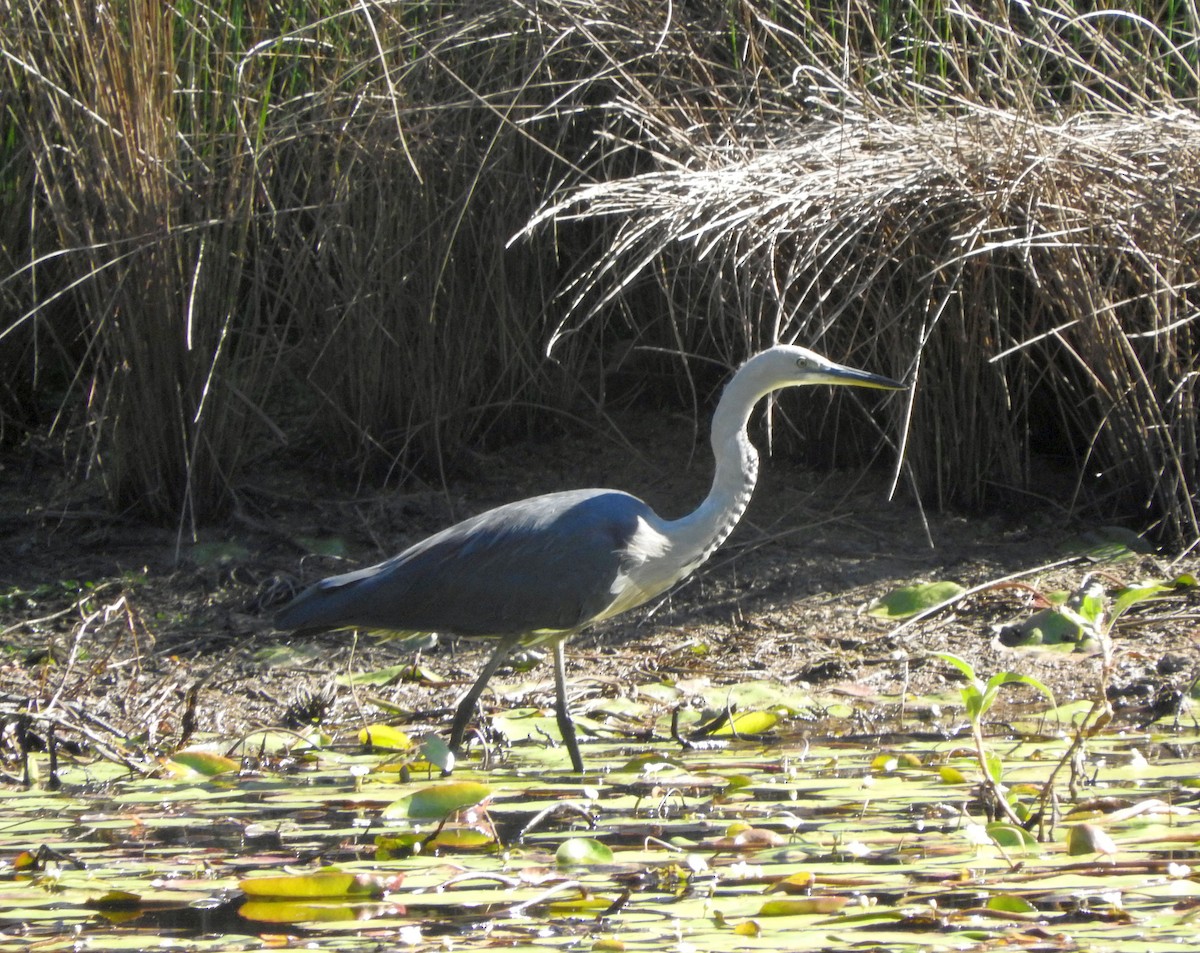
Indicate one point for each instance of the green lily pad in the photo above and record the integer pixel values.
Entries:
(327, 883)
(439, 800)
(582, 851)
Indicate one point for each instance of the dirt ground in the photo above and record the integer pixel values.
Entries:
(111, 637)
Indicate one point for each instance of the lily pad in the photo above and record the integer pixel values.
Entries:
(439, 800)
(582, 851)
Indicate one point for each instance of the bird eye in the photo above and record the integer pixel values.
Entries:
(804, 364)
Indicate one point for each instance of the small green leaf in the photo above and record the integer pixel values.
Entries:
(911, 600)
(582, 851)
(1010, 678)
(1007, 903)
(1132, 595)
(801, 883)
(390, 847)
(735, 782)
(1009, 835)
(961, 664)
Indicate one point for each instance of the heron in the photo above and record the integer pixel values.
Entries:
(539, 570)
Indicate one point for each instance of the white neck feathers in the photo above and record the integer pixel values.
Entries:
(696, 536)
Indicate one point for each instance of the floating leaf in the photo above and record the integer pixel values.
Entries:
(1009, 835)
(114, 899)
(435, 751)
(796, 883)
(735, 782)
(801, 906)
(1008, 903)
(749, 723)
(582, 851)
(324, 884)
(743, 837)
(206, 763)
(462, 838)
(1089, 839)
(439, 800)
(652, 760)
(298, 911)
(885, 763)
(910, 600)
(386, 737)
(585, 903)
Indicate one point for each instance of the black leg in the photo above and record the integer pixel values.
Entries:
(566, 727)
(466, 707)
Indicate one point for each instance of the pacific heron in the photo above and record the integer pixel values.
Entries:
(541, 569)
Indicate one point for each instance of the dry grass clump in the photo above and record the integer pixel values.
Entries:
(294, 224)
(976, 221)
(1036, 278)
(146, 299)
(289, 224)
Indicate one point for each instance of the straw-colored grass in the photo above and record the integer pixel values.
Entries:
(1032, 278)
(358, 228)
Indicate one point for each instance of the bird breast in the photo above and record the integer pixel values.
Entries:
(647, 569)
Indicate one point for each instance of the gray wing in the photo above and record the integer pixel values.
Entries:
(544, 563)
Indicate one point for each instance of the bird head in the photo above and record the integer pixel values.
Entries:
(787, 365)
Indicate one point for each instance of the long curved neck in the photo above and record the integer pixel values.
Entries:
(695, 536)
